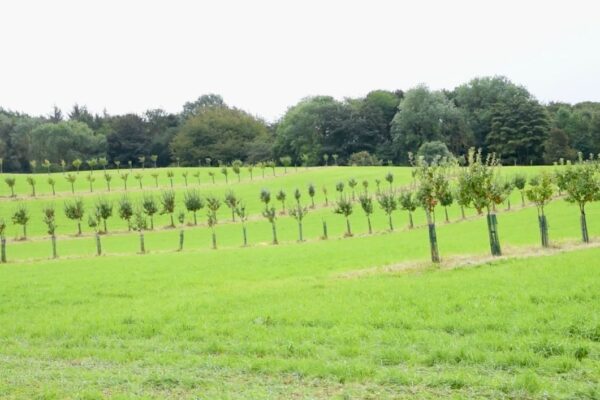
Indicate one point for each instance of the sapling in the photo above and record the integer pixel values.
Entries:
(77, 164)
(107, 178)
(236, 166)
(142, 160)
(118, 165)
(352, 184)
(74, 210)
(91, 178)
(155, 175)
(581, 185)
(130, 164)
(408, 202)
(196, 174)
(311, 193)
(213, 204)
(124, 176)
(389, 204)
(150, 208)
(281, 196)
(378, 184)
(94, 223)
(326, 159)
(50, 221)
(104, 210)
(138, 177)
(154, 159)
(139, 224)
(231, 201)
(63, 165)
(47, 164)
(299, 212)
(262, 167)
(181, 219)
(389, 177)
(103, 162)
(212, 176)
(365, 185)
(250, 169)
(33, 165)
(242, 213)
(11, 181)
(185, 177)
(344, 207)
(462, 194)
(92, 164)
(324, 190)
(269, 213)
(366, 203)
(193, 203)
(167, 201)
(508, 189)
(446, 199)
(286, 161)
(304, 157)
(126, 211)
(31, 182)
(339, 187)
(2, 241)
(271, 164)
(208, 161)
(52, 183)
(170, 175)
(335, 158)
(225, 172)
(540, 192)
(519, 182)
(21, 217)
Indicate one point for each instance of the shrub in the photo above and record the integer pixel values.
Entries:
(363, 159)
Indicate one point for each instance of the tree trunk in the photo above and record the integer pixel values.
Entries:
(214, 239)
(54, 253)
(446, 213)
(348, 231)
(79, 228)
(300, 238)
(24, 231)
(245, 235)
(72, 189)
(508, 203)
(493, 233)
(433, 245)
(369, 223)
(274, 233)
(105, 228)
(462, 212)
(53, 191)
(2, 250)
(152, 222)
(172, 222)
(410, 220)
(195, 221)
(522, 199)
(390, 221)
(233, 214)
(181, 236)
(312, 201)
(98, 244)
(584, 230)
(142, 244)
(543, 230)
(325, 236)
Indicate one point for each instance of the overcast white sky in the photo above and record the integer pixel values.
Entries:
(264, 56)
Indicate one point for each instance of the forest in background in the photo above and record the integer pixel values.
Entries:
(383, 127)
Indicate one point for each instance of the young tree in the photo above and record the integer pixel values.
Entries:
(94, 223)
(181, 219)
(446, 199)
(481, 181)
(2, 240)
(271, 164)
(269, 213)
(225, 172)
(324, 190)
(185, 177)
(52, 183)
(213, 204)
(92, 163)
(462, 195)
(154, 159)
(167, 201)
(298, 213)
(11, 181)
(281, 196)
(103, 162)
(126, 210)
(77, 164)
(262, 167)
(104, 210)
(352, 183)
(212, 176)
(63, 165)
(138, 177)
(508, 189)
(335, 158)
(31, 182)
(193, 203)
(50, 221)
(47, 164)
(74, 210)
(286, 161)
(208, 161)
(540, 192)
(124, 177)
(91, 178)
(242, 213)
(170, 175)
(408, 202)
(142, 160)
(21, 217)
(118, 165)
(155, 175)
(236, 166)
(389, 204)
(196, 174)
(365, 185)
(150, 208)
(344, 207)
(389, 177)
(231, 201)
(71, 178)
(326, 159)
(33, 165)
(378, 184)
(107, 178)
(520, 180)
(366, 203)
(304, 158)
(339, 187)
(581, 185)
(130, 164)
(139, 224)
(250, 169)
(311, 193)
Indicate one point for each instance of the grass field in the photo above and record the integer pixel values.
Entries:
(360, 317)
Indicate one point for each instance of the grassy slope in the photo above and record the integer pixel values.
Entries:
(247, 322)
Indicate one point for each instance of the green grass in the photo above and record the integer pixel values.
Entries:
(360, 317)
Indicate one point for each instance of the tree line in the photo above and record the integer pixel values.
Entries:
(491, 113)
(439, 183)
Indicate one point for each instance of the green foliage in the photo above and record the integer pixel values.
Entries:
(50, 219)
(193, 202)
(167, 201)
(74, 210)
(363, 159)
(434, 151)
(21, 217)
(126, 210)
(103, 210)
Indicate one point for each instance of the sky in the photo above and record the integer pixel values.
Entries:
(264, 56)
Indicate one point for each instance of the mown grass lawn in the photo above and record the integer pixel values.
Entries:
(279, 323)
